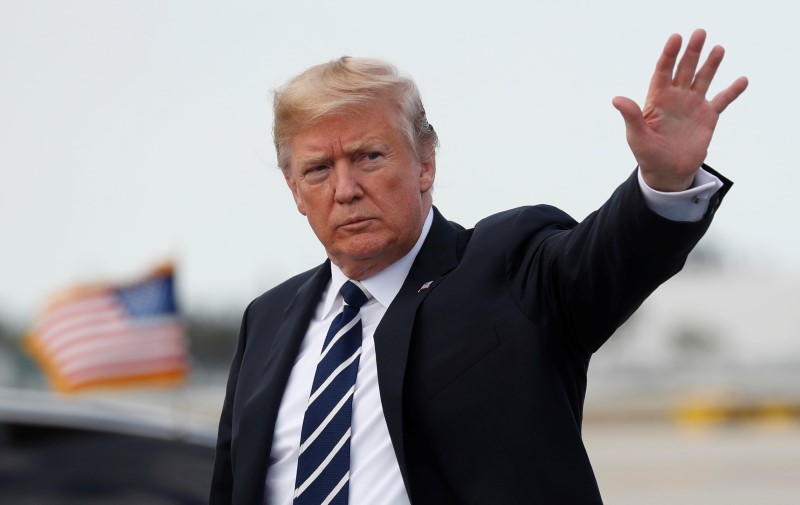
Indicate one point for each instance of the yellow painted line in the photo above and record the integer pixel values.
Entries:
(705, 414)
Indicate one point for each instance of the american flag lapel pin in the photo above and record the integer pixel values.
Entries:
(425, 286)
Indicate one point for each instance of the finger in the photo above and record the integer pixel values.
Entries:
(688, 64)
(631, 113)
(729, 94)
(662, 77)
(709, 69)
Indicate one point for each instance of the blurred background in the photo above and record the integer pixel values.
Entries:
(137, 132)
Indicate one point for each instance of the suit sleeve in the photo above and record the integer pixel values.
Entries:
(591, 276)
(222, 477)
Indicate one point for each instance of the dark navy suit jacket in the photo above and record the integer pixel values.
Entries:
(483, 374)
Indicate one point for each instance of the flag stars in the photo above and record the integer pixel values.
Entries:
(150, 298)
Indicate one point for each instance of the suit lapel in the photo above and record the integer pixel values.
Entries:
(260, 410)
(437, 257)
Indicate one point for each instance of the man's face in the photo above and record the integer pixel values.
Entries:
(362, 188)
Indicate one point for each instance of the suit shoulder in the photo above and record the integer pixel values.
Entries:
(527, 218)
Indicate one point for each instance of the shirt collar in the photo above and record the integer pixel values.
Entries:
(384, 285)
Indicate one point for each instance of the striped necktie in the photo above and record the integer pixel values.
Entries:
(323, 467)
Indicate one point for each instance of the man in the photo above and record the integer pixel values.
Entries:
(460, 355)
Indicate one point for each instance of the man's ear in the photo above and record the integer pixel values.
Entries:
(293, 186)
(427, 174)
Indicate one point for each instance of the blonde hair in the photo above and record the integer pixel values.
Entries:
(346, 84)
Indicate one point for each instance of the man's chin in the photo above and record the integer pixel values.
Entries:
(361, 258)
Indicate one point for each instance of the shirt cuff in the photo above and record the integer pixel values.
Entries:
(689, 205)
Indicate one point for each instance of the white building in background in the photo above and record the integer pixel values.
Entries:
(709, 327)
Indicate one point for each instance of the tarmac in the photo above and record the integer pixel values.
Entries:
(694, 463)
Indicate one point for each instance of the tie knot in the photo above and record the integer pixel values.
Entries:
(354, 294)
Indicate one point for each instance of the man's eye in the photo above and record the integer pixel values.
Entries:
(373, 156)
(315, 173)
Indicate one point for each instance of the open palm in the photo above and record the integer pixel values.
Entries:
(670, 136)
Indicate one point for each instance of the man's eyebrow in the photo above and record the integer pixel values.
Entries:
(366, 144)
(320, 158)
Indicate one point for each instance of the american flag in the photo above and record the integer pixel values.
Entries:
(106, 335)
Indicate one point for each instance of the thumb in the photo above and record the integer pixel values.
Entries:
(631, 113)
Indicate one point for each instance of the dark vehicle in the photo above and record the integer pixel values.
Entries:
(69, 451)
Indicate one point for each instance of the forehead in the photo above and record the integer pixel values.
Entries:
(349, 128)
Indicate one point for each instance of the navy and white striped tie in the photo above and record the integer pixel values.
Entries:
(323, 467)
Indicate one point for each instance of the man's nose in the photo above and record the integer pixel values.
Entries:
(348, 186)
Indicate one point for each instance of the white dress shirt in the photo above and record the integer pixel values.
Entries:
(375, 477)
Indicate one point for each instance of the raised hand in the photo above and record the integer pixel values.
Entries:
(670, 136)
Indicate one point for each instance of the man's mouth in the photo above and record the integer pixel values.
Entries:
(355, 223)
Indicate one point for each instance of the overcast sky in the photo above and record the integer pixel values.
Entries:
(135, 131)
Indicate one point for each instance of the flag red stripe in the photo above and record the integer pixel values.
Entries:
(106, 326)
(110, 330)
(120, 349)
(132, 367)
(76, 308)
(75, 323)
